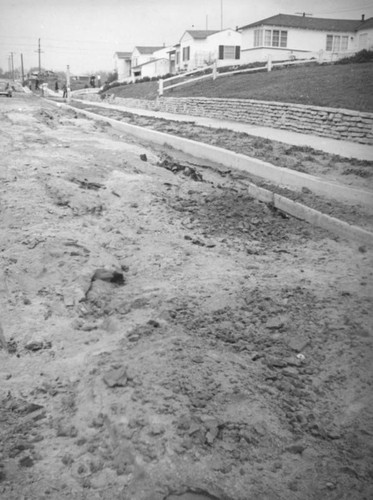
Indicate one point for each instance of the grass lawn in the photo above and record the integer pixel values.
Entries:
(347, 86)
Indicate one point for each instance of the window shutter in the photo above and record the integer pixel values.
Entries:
(221, 51)
(238, 52)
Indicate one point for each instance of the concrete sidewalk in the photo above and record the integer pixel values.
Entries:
(332, 146)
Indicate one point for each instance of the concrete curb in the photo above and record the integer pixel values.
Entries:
(261, 169)
(328, 145)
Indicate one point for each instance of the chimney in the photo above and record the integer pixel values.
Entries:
(362, 17)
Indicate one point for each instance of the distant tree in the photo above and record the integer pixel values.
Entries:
(112, 77)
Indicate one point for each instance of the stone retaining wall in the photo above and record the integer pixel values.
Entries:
(326, 122)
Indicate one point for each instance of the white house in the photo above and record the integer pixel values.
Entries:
(364, 35)
(140, 56)
(288, 37)
(198, 48)
(159, 65)
(122, 65)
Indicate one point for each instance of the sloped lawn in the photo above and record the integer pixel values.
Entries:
(347, 86)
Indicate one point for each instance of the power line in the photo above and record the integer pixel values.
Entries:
(75, 42)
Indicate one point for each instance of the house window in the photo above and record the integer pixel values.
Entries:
(267, 38)
(363, 41)
(283, 38)
(258, 38)
(229, 51)
(336, 43)
(186, 53)
(275, 38)
(272, 38)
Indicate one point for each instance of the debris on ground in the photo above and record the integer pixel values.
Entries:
(187, 170)
(182, 342)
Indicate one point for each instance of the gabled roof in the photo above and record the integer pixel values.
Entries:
(366, 25)
(147, 50)
(304, 22)
(123, 55)
(201, 34)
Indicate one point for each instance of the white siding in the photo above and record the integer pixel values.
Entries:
(155, 68)
(230, 38)
(206, 51)
(364, 40)
(138, 58)
(301, 43)
(122, 67)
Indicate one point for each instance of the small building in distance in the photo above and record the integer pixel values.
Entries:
(141, 55)
(157, 65)
(122, 65)
(199, 48)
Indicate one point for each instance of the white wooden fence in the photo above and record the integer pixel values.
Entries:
(267, 66)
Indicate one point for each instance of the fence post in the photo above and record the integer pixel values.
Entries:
(160, 87)
(269, 63)
(214, 70)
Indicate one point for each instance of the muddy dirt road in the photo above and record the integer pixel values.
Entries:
(166, 337)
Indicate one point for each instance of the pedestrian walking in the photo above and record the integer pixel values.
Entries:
(64, 88)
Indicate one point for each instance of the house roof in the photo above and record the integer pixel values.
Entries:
(150, 62)
(304, 22)
(365, 25)
(123, 55)
(201, 34)
(147, 50)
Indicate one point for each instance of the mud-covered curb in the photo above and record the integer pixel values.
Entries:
(259, 168)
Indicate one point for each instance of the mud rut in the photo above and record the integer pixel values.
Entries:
(232, 361)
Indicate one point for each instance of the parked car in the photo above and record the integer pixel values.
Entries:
(6, 89)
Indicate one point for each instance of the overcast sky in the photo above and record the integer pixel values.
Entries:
(86, 33)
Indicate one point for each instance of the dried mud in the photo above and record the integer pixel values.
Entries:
(232, 360)
(348, 171)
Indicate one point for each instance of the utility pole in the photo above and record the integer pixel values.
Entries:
(68, 83)
(68, 76)
(39, 51)
(23, 74)
(12, 64)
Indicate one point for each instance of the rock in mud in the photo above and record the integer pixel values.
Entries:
(296, 448)
(275, 323)
(26, 462)
(109, 276)
(37, 345)
(116, 378)
(298, 344)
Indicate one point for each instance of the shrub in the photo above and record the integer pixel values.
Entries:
(112, 77)
(360, 57)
